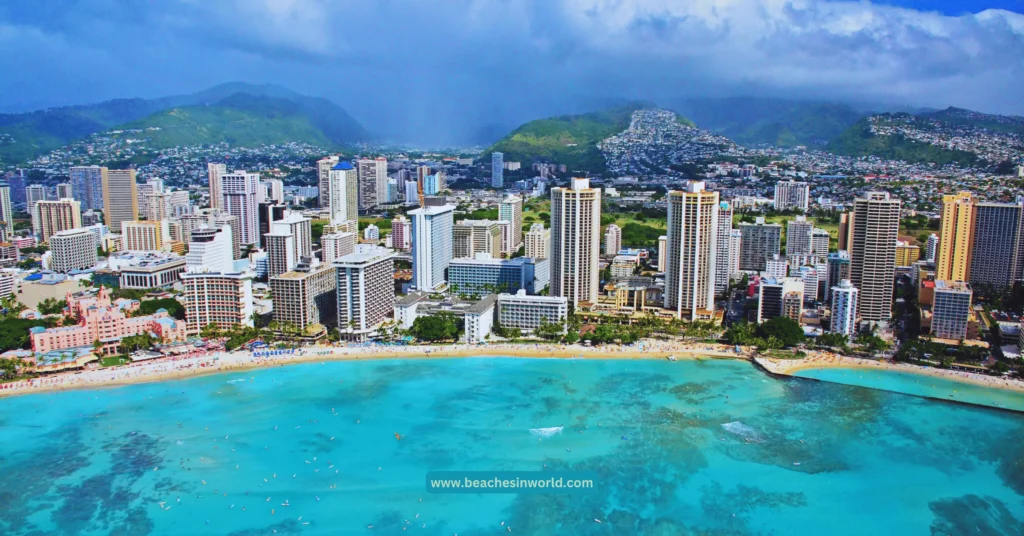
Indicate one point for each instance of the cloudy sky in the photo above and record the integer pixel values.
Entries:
(445, 69)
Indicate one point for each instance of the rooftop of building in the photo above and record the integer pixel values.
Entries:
(344, 166)
(952, 286)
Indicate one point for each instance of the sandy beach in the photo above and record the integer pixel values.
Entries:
(820, 360)
(212, 363)
(218, 362)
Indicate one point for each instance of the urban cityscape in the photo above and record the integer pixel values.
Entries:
(240, 311)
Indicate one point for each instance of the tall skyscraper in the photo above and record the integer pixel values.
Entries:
(511, 209)
(692, 251)
(343, 194)
(931, 247)
(820, 240)
(306, 295)
(844, 231)
(365, 290)
(238, 196)
(876, 226)
(120, 197)
(17, 183)
(268, 213)
(837, 269)
(735, 248)
(760, 241)
(612, 239)
(56, 216)
(432, 243)
(6, 213)
(844, 309)
(951, 310)
(214, 292)
(662, 252)
(401, 233)
(538, 241)
(232, 221)
(575, 241)
(995, 249)
(214, 173)
(373, 182)
(144, 235)
(952, 262)
(72, 249)
(722, 270)
(798, 236)
(470, 237)
(275, 190)
(289, 241)
(87, 186)
(792, 195)
(497, 170)
(323, 173)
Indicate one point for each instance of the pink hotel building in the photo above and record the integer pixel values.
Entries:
(99, 319)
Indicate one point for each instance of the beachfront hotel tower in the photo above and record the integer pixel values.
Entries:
(215, 293)
(432, 243)
(120, 197)
(875, 223)
(575, 242)
(844, 309)
(953, 259)
(692, 251)
(365, 290)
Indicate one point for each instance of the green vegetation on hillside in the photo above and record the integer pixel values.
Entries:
(779, 122)
(859, 141)
(24, 136)
(568, 139)
(960, 116)
(241, 120)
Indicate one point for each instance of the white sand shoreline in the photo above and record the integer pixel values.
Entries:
(221, 362)
(213, 363)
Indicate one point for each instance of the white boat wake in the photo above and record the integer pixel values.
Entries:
(546, 432)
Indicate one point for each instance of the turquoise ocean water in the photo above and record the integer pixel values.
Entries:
(920, 385)
(688, 447)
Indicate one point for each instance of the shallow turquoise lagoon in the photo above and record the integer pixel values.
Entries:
(920, 385)
(687, 447)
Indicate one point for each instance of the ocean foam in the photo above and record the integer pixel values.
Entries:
(742, 430)
(546, 432)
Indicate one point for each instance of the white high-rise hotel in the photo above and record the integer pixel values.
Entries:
(692, 250)
(844, 309)
(575, 241)
(432, 244)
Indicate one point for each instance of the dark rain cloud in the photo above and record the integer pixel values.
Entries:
(441, 71)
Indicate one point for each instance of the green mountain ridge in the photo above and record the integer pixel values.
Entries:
(763, 121)
(858, 140)
(247, 120)
(569, 139)
(24, 136)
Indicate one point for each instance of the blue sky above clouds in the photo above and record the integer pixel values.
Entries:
(432, 69)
